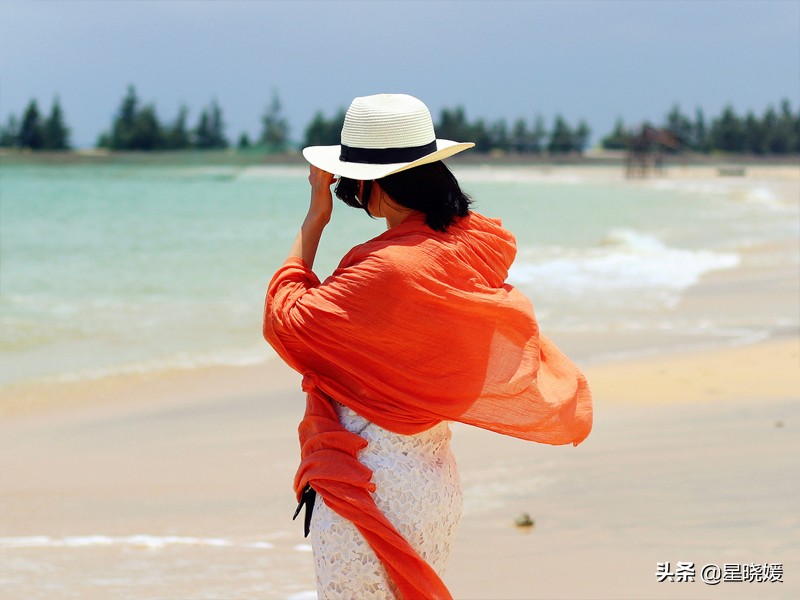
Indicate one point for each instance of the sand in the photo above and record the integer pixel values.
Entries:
(178, 485)
(693, 458)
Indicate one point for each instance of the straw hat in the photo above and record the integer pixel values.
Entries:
(383, 134)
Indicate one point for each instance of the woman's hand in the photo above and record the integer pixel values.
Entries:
(319, 215)
(319, 212)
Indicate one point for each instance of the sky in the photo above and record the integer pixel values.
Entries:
(595, 60)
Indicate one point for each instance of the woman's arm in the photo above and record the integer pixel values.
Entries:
(318, 216)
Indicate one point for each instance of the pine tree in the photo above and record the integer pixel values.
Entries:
(796, 129)
(519, 136)
(618, 138)
(537, 135)
(581, 137)
(210, 130)
(147, 132)
(562, 137)
(789, 126)
(218, 126)
(31, 134)
(779, 129)
(453, 125)
(727, 133)
(122, 131)
(177, 136)
(498, 135)
(478, 133)
(679, 125)
(275, 131)
(324, 132)
(754, 139)
(9, 135)
(699, 139)
(56, 134)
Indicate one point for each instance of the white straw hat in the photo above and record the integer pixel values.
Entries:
(383, 134)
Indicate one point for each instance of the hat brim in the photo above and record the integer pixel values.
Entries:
(327, 159)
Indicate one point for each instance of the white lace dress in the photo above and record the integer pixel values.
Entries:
(418, 490)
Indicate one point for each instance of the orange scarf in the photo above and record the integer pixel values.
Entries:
(413, 328)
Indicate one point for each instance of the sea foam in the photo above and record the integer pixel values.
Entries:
(626, 266)
(138, 540)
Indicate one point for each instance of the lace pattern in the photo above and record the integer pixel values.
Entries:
(418, 490)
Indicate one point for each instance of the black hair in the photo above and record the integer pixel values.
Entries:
(347, 190)
(431, 188)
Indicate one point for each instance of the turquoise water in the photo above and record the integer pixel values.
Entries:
(119, 268)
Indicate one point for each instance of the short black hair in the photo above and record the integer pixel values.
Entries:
(431, 188)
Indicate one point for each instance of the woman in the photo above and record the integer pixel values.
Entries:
(415, 328)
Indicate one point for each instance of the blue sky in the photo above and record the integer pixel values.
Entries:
(595, 60)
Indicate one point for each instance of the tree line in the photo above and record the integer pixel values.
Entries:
(774, 132)
(522, 137)
(35, 131)
(453, 124)
(137, 126)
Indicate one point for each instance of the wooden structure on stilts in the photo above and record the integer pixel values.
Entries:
(646, 151)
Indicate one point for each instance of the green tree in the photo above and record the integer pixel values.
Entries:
(244, 141)
(478, 133)
(122, 129)
(31, 133)
(679, 125)
(453, 125)
(177, 136)
(498, 134)
(754, 139)
(526, 140)
(210, 130)
(134, 127)
(324, 132)
(727, 132)
(9, 135)
(699, 141)
(316, 133)
(538, 135)
(519, 136)
(203, 137)
(103, 140)
(562, 137)
(796, 129)
(619, 137)
(780, 129)
(581, 137)
(56, 133)
(275, 127)
(147, 131)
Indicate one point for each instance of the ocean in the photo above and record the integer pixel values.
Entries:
(123, 268)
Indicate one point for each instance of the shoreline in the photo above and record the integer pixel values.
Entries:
(775, 290)
(233, 157)
(620, 380)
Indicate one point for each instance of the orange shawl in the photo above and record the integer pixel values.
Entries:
(415, 327)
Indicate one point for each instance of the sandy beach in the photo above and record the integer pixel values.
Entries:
(177, 484)
(692, 459)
